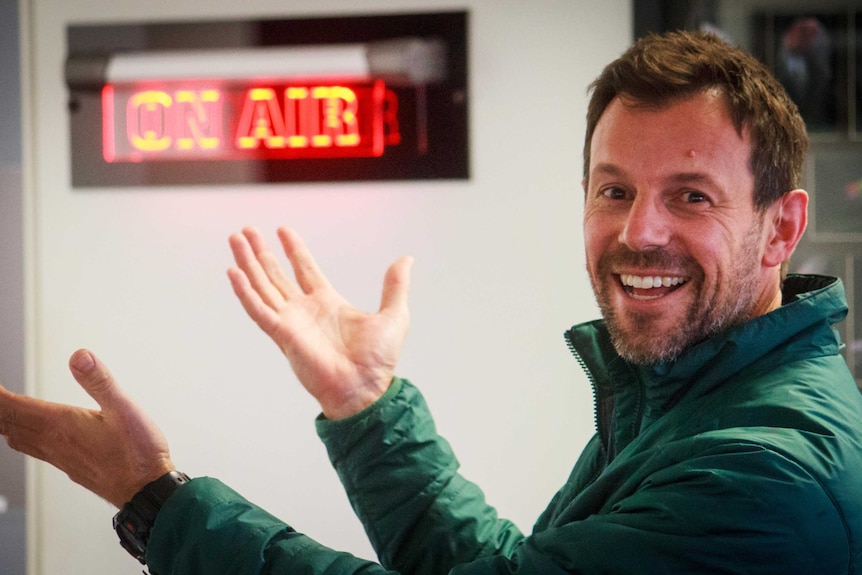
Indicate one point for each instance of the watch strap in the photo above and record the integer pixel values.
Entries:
(136, 518)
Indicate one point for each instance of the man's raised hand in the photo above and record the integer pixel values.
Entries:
(344, 357)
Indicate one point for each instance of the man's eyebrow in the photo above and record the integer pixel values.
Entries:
(615, 171)
(608, 169)
(691, 178)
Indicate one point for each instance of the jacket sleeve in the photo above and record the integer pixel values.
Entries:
(206, 528)
(402, 480)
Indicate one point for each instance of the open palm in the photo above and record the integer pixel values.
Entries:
(343, 356)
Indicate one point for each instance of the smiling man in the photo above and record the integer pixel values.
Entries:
(727, 423)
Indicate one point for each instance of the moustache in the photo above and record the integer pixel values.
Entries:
(622, 257)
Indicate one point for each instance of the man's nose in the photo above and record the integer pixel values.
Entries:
(647, 224)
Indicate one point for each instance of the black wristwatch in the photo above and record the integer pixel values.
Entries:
(136, 518)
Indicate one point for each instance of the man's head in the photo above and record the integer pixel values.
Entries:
(690, 210)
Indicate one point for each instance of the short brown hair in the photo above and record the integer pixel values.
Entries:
(660, 69)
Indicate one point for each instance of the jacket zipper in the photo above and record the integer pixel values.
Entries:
(597, 416)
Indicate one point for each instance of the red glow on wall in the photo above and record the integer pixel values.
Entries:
(247, 120)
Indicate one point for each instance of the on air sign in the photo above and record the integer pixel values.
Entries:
(250, 120)
(319, 99)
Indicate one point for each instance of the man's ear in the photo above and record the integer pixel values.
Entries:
(787, 219)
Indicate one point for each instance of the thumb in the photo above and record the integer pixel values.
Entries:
(94, 377)
(396, 285)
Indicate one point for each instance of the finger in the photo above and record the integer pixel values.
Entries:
(8, 411)
(95, 378)
(248, 262)
(262, 314)
(308, 275)
(396, 286)
(20, 412)
(25, 421)
(269, 262)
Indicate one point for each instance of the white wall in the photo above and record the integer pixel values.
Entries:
(137, 275)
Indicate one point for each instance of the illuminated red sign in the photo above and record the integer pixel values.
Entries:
(242, 120)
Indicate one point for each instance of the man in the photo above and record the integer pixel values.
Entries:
(727, 422)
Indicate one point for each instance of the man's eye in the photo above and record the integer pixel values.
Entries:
(614, 193)
(694, 197)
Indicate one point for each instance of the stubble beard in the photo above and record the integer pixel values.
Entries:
(731, 302)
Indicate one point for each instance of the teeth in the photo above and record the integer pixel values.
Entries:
(648, 282)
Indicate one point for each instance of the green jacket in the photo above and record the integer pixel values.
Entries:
(743, 456)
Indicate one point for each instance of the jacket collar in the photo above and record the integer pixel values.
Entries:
(809, 302)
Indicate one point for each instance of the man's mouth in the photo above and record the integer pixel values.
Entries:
(650, 287)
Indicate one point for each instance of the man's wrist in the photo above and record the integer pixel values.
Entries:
(136, 518)
(362, 398)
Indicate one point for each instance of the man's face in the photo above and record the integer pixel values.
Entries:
(673, 241)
